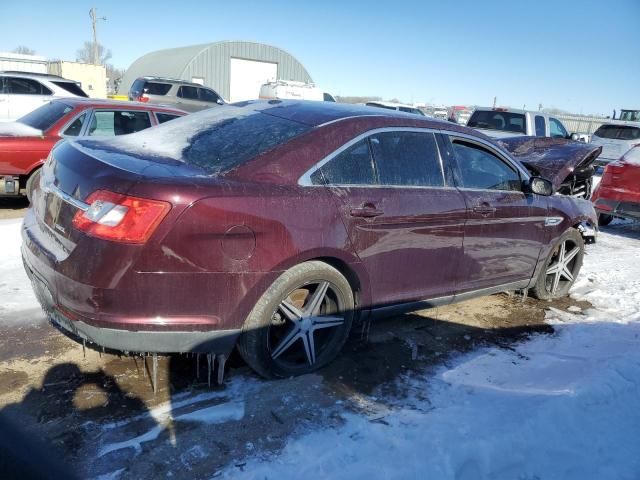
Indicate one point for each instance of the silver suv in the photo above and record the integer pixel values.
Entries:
(184, 95)
(23, 92)
(616, 139)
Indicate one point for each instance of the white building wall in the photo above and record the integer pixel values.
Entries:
(23, 63)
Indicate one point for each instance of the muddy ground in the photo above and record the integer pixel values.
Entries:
(100, 410)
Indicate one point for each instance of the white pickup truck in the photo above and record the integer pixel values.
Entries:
(509, 122)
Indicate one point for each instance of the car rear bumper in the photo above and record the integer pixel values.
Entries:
(125, 340)
(618, 208)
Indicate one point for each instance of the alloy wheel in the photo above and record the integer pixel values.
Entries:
(305, 324)
(561, 268)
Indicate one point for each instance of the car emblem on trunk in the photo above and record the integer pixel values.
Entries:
(60, 228)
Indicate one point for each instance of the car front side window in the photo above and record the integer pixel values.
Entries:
(479, 168)
(109, 122)
(556, 128)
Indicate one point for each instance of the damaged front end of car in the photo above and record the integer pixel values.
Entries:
(569, 165)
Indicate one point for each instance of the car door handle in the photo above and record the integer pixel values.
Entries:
(484, 210)
(366, 211)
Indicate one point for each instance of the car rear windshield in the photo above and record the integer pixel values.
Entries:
(44, 117)
(153, 88)
(618, 132)
(71, 87)
(496, 120)
(232, 141)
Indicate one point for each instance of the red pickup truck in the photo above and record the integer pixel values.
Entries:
(26, 143)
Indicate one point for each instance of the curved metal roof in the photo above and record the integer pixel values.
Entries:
(211, 61)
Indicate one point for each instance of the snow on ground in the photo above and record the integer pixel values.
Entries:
(555, 406)
(18, 303)
(559, 406)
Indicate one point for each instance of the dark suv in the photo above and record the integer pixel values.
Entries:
(191, 97)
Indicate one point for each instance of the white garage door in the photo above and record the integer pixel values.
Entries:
(247, 76)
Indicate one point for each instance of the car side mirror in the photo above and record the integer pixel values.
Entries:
(540, 186)
(575, 137)
(220, 101)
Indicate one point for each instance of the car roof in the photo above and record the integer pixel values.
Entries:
(106, 103)
(510, 110)
(34, 75)
(390, 104)
(171, 80)
(316, 113)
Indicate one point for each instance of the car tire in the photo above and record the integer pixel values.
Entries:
(300, 323)
(561, 267)
(604, 219)
(32, 181)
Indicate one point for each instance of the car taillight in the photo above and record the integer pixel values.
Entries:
(120, 218)
(143, 98)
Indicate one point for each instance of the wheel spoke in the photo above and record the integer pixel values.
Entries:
(566, 273)
(290, 311)
(289, 340)
(569, 256)
(563, 249)
(556, 281)
(326, 322)
(315, 302)
(553, 269)
(309, 346)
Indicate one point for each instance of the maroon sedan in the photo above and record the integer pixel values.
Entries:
(26, 143)
(274, 225)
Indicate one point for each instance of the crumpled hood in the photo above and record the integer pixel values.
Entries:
(552, 158)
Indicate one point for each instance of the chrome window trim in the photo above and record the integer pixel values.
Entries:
(525, 175)
(305, 179)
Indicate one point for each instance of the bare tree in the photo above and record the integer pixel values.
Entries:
(114, 77)
(85, 54)
(23, 50)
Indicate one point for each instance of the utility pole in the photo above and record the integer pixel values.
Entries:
(495, 100)
(94, 19)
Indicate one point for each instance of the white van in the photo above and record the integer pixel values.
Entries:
(290, 90)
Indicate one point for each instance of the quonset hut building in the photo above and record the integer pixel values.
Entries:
(234, 69)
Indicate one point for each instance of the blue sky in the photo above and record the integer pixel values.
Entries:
(579, 56)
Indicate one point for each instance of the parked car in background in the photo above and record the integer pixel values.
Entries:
(274, 224)
(509, 122)
(459, 114)
(25, 144)
(21, 92)
(616, 139)
(401, 107)
(187, 96)
(290, 90)
(629, 115)
(618, 193)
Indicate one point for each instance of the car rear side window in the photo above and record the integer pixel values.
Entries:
(354, 166)
(110, 123)
(75, 128)
(618, 132)
(407, 159)
(154, 88)
(541, 130)
(481, 169)
(165, 117)
(27, 86)
(72, 88)
(498, 120)
(190, 93)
